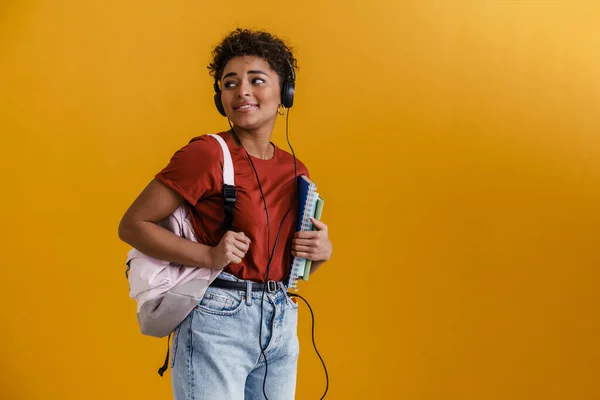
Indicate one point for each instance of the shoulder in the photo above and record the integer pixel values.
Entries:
(200, 149)
(203, 145)
(194, 169)
(201, 155)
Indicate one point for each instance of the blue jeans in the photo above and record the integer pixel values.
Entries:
(216, 351)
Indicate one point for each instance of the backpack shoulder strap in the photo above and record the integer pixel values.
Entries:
(229, 193)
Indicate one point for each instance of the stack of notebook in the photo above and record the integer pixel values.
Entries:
(310, 204)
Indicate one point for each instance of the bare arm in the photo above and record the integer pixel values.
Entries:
(139, 229)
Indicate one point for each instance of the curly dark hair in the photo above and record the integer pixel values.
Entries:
(247, 42)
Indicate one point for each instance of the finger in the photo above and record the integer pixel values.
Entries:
(236, 245)
(304, 242)
(241, 236)
(229, 238)
(235, 260)
(308, 235)
(244, 238)
(301, 254)
(303, 249)
(237, 253)
(306, 245)
(244, 246)
(318, 224)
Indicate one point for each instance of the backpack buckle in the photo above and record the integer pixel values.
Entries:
(229, 193)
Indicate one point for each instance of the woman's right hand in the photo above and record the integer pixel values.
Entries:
(231, 249)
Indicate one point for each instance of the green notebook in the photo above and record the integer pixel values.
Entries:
(318, 213)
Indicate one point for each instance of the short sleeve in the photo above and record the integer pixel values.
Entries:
(194, 170)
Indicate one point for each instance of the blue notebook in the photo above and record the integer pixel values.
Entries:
(307, 201)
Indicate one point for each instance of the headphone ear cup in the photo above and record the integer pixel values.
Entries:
(287, 93)
(219, 104)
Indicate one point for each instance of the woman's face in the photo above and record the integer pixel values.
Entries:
(250, 92)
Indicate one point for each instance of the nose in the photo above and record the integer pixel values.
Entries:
(244, 89)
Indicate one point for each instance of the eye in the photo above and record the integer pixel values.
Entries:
(228, 84)
(257, 81)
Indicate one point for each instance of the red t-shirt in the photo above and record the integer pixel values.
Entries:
(196, 173)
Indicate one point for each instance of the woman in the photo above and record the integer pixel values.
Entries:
(240, 342)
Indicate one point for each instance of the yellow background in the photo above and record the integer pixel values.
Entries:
(456, 145)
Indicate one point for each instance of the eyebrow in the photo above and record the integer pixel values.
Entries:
(253, 71)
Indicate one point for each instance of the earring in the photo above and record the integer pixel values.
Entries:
(279, 107)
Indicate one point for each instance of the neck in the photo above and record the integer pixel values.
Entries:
(257, 144)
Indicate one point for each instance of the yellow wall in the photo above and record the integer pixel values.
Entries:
(459, 157)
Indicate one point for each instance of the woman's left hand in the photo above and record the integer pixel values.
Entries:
(312, 245)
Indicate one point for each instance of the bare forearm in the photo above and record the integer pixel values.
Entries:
(158, 242)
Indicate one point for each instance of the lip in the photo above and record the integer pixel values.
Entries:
(245, 107)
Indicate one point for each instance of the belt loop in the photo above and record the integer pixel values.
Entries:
(248, 293)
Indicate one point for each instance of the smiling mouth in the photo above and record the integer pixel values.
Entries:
(246, 107)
